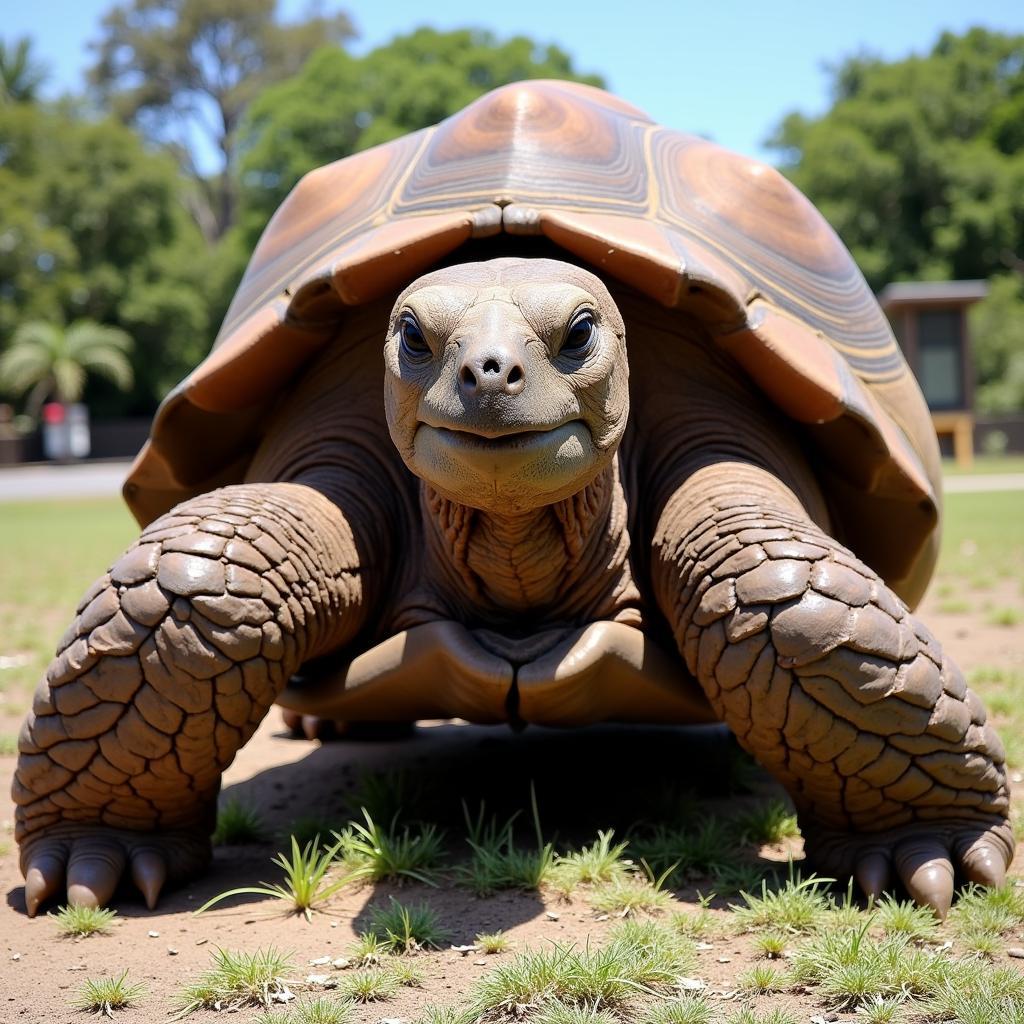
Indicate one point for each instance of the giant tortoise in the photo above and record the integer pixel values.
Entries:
(522, 527)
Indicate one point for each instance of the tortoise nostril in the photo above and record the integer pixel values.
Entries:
(491, 366)
(514, 375)
(467, 377)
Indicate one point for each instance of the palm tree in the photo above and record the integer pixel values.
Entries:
(21, 74)
(50, 361)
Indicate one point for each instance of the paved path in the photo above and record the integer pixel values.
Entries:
(104, 479)
(78, 480)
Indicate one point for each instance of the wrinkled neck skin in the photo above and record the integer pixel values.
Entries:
(559, 565)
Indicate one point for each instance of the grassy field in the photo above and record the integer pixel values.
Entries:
(810, 950)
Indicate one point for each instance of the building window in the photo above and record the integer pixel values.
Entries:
(940, 357)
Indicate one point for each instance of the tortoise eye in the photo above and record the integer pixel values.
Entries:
(579, 338)
(414, 344)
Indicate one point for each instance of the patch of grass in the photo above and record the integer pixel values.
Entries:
(798, 906)
(434, 1014)
(237, 823)
(79, 922)
(407, 928)
(498, 862)
(602, 861)
(383, 795)
(690, 1008)
(905, 917)
(976, 994)
(695, 924)
(881, 1010)
(315, 1010)
(372, 985)
(369, 949)
(237, 980)
(763, 978)
(776, 1015)
(992, 911)
(8, 745)
(769, 822)
(1004, 616)
(304, 885)
(771, 945)
(375, 853)
(565, 1013)
(641, 958)
(493, 942)
(955, 606)
(406, 974)
(104, 995)
(633, 895)
(686, 853)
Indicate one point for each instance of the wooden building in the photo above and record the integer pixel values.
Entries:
(929, 319)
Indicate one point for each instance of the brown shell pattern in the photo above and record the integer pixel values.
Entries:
(683, 220)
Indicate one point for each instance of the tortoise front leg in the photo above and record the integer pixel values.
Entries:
(173, 660)
(829, 681)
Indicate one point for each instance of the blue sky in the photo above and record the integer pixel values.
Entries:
(728, 70)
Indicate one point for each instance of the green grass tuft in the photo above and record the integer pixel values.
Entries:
(769, 822)
(371, 985)
(79, 922)
(493, 942)
(315, 1010)
(104, 995)
(237, 823)
(374, 853)
(237, 980)
(690, 1008)
(798, 906)
(407, 928)
(305, 883)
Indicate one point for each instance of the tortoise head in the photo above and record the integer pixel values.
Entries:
(506, 383)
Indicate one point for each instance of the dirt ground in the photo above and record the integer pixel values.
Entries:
(585, 780)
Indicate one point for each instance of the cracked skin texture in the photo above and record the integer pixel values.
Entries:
(547, 526)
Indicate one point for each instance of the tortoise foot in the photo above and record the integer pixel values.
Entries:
(88, 862)
(312, 727)
(926, 857)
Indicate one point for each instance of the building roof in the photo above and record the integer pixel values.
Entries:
(922, 292)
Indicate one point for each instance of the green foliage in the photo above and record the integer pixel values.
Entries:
(997, 336)
(180, 68)
(340, 104)
(94, 229)
(237, 980)
(21, 74)
(316, 1010)
(79, 922)
(686, 852)
(798, 906)
(498, 862)
(374, 853)
(372, 985)
(919, 163)
(602, 861)
(493, 942)
(687, 1009)
(406, 928)
(237, 823)
(51, 362)
(105, 995)
(304, 879)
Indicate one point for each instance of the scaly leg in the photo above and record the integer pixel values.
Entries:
(174, 658)
(834, 686)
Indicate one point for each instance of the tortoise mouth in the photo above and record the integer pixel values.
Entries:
(509, 440)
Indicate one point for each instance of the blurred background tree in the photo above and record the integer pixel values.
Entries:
(137, 205)
(919, 166)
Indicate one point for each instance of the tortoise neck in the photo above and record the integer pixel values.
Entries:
(566, 562)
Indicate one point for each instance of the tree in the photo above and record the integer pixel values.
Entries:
(919, 165)
(94, 228)
(340, 104)
(184, 70)
(50, 362)
(21, 74)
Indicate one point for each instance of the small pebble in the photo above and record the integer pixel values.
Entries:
(320, 961)
(464, 950)
(171, 951)
(725, 959)
(479, 963)
(1016, 952)
(202, 942)
(15, 956)
(153, 935)
(552, 916)
(341, 963)
(704, 945)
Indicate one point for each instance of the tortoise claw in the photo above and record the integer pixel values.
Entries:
(925, 869)
(44, 877)
(982, 862)
(874, 874)
(149, 872)
(94, 869)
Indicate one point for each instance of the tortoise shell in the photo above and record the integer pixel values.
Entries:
(691, 225)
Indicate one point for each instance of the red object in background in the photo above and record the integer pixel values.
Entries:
(53, 412)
